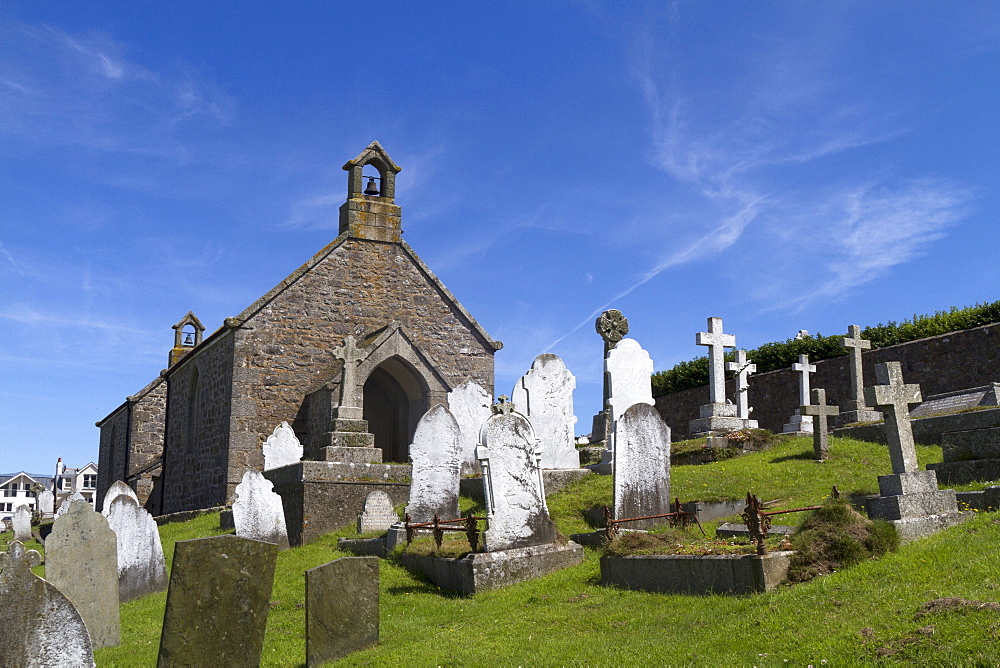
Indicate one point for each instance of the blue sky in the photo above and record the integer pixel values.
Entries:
(783, 166)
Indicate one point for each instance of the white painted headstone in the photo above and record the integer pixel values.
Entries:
(22, 523)
(64, 506)
(545, 396)
(118, 488)
(281, 448)
(470, 405)
(46, 502)
(436, 466)
(257, 511)
(141, 568)
(628, 367)
(378, 514)
(642, 466)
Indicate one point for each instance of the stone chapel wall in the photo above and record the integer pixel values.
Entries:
(111, 459)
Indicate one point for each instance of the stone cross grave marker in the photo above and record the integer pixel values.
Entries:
(341, 608)
(628, 368)
(217, 604)
(894, 398)
(350, 356)
(40, 627)
(118, 488)
(141, 567)
(855, 345)
(717, 343)
(821, 411)
(378, 513)
(470, 404)
(64, 506)
(81, 561)
(545, 396)
(281, 448)
(642, 466)
(743, 368)
(436, 467)
(22, 523)
(257, 511)
(804, 368)
(512, 482)
(46, 503)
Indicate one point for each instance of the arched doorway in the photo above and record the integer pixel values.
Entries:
(395, 398)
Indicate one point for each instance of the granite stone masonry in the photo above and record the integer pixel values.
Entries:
(820, 411)
(642, 466)
(436, 467)
(281, 447)
(545, 395)
(342, 611)
(21, 522)
(257, 511)
(141, 567)
(470, 404)
(378, 514)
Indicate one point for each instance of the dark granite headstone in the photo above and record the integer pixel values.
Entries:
(341, 608)
(220, 591)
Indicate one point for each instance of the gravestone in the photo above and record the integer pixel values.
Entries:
(118, 488)
(141, 567)
(801, 424)
(545, 397)
(81, 561)
(342, 614)
(436, 467)
(22, 523)
(217, 604)
(743, 367)
(956, 401)
(40, 626)
(612, 327)
(909, 498)
(281, 448)
(378, 514)
(642, 466)
(64, 506)
(257, 511)
(627, 369)
(718, 416)
(46, 503)
(856, 410)
(821, 411)
(512, 482)
(969, 454)
(470, 405)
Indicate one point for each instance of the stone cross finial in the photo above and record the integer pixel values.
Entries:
(855, 344)
(894, 398)
(717, 342)
(804, 368)
(819, 410)
(350, 356)
(503, 406)
(743, 369)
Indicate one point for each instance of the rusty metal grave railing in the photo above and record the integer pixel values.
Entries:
(679, 516)
(470, 526)
(758, 521)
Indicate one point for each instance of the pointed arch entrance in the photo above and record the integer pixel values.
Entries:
(394, 399)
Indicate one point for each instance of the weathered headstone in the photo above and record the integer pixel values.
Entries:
(718, 416)
(40, 626)
(141, 567)
(81, 560)
(512, 482)
(545, 396)
(743, 367)
(22, 523)
(64, 506)
(801, 424)
(436, 466)
(217, 604)
(342, 614)
(118, 488)
(378, 513)
(628, 368)
(470, 404)
(46, 503)
(642, 466)
(258, 512)
(281, 448)
(820, 411)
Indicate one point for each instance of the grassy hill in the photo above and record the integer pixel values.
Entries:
(900, 608)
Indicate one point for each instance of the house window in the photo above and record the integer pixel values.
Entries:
(8, 491)
(89, 481)
(8, 507)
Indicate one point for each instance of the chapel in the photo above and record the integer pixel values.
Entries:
(350, 350)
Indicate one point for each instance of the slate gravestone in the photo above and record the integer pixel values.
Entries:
(470, 405)
(46, 503)
(642, 466)
(22, 523)
(257, 511)
(341, 608)
(281, 448)
(141, 568)
(378, 514)
(545, 396)
(220, 592)
(40, 626)
(118, 488)
(512, 482)
(820, 411)
(436, 466)
(64, 506)
(81, 560)
(628, 367)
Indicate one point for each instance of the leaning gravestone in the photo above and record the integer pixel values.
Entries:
(257, 511)
(118, 488)
(545, 397)
(81, 560)
(378, 514)
(220, 592)
(64, 506)
(642, 466)
(512, 482)
(436, 458)
(40, 626)
(46, 503)
(341, 608)
(22, 523)
(470, 404)
(281, 448)
(141, 567)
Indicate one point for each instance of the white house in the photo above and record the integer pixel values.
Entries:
(20, 489)
(69, 481)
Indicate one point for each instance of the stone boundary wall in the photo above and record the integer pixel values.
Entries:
(943, 363)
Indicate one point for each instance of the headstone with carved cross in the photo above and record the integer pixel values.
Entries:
(856, 410)
(347, 438)
(909, 497)
(800, 423)
(719, 415)
(820, 411)
(612, 326)
(742, 367)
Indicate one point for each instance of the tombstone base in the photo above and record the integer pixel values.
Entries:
(718, 425)
(913, 528)
(856, 416)
(960, 473)
(492, 570)
(715, 574)
(347, 454)
(798, 424)
(914, 504)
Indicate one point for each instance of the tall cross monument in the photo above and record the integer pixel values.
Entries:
(856, 408)
(718, 416)
(799, 423)
(742, 367)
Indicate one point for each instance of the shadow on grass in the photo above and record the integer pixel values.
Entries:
(805, 454)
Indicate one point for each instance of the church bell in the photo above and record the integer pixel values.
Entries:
(371, 188)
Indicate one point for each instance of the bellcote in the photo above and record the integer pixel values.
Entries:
(370, 211)
(187, 334)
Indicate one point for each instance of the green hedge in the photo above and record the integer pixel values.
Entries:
(781, 354)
